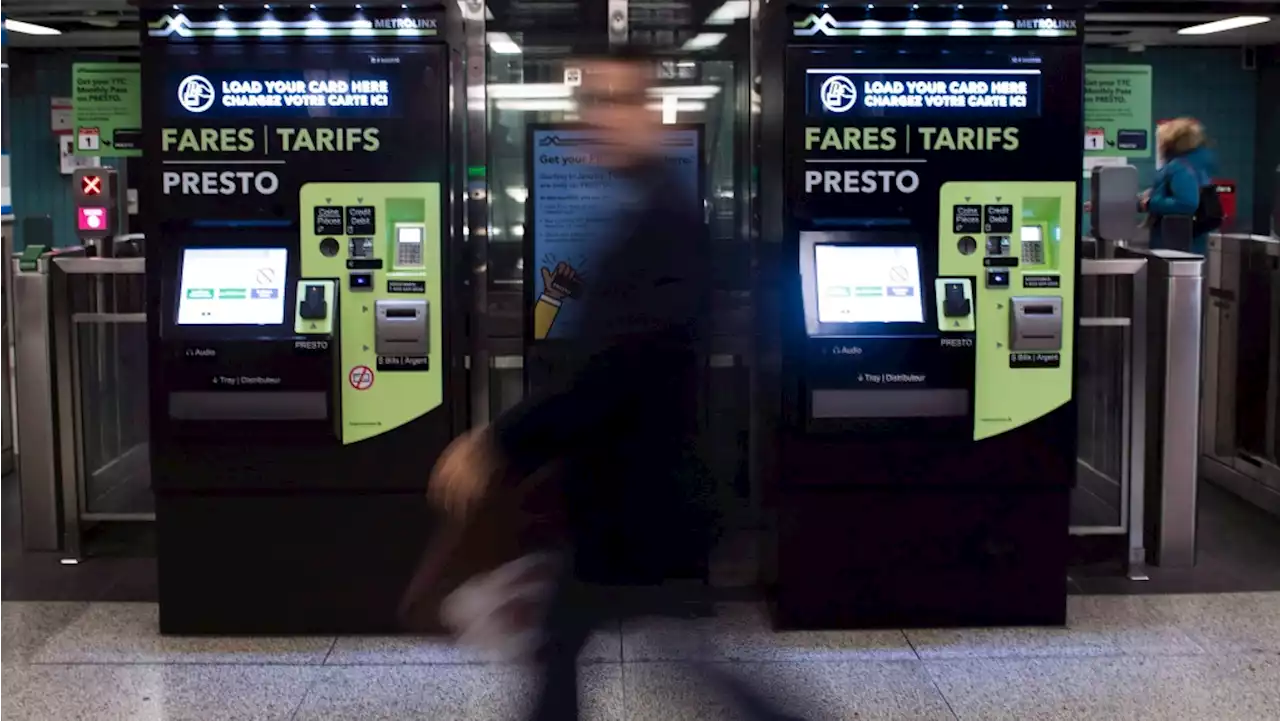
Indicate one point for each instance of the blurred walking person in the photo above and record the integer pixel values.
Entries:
(1184, 185)
(621, 431)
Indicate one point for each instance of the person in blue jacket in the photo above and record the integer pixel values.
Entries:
(1189, 165)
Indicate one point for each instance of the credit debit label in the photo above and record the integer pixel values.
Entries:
(1035, 360)
(403, 363)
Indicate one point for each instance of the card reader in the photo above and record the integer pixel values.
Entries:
(954, 302)
(313, 305)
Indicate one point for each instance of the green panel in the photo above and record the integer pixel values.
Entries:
(396, 397)
(107, 109)
(1117, 111)
(1006, 397)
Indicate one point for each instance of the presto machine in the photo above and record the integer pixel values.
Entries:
(927, 445)
(298, 209)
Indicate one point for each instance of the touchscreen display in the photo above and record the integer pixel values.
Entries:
(868, 284)
(232, 286)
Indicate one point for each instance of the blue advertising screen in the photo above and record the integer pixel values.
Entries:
(574, 203)
(283, 93)
(923, 93)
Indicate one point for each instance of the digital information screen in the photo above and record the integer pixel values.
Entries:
(910, 93)
(233, 286)
(868, 284)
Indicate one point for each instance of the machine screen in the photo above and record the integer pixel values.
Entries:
(232, 286)
(868, 284)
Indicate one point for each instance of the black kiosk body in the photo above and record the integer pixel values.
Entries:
(299, 201)
(927, 430)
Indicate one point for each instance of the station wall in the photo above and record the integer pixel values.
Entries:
(39, 189)
(1211, 85)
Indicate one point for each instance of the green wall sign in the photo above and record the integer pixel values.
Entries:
(1117, 111)
(107, 109)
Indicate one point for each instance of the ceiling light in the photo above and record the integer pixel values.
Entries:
(700, 92)
(17, 26)
(730, 12)
(1221, 26)
(702, 41)
(502, 44)
(504, 91)
(537, 105)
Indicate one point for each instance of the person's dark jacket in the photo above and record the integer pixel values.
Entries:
(624, 423)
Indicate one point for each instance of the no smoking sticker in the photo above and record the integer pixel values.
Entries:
(361, 378)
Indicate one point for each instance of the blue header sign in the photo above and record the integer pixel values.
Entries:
(284, 93)
(923, 93)
(573, 208)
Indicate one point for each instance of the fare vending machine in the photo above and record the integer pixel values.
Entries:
(930, 205)
(299, 206)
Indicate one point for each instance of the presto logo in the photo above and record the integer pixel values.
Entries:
(196, 94)
(213, 182)
(838, 94)
(861, 181)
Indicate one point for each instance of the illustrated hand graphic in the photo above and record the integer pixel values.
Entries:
(561, 283)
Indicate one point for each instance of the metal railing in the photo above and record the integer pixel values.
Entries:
(1240, 418)
(83, 374)
(82, 390)
(1175, 314)
(1111, 388)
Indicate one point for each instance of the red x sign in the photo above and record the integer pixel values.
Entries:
(91, 185)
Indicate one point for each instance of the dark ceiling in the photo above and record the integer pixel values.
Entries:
(552, 26)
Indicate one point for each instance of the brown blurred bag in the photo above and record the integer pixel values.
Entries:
(515, 517)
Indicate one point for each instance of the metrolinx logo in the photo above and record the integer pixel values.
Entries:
(1045, 24)
(404, 23)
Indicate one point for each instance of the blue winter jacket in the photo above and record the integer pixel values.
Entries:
(1176, 191)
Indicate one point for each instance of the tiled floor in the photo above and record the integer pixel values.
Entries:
(1164, 658)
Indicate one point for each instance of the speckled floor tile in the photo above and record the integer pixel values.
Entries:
(1117, 688)
(741, 632)
(1227, 622)
(29, 625)
(13, 678)
(129, 633)
(604, 647)
(447, 693)
(160, 693)
(815, 691)
(1096, 626)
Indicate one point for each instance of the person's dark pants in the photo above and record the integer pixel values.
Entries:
(577, 610)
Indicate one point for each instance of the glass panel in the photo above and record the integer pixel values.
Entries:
(112, 402)
(113, 395)
(1253, 354)
(530, 81)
